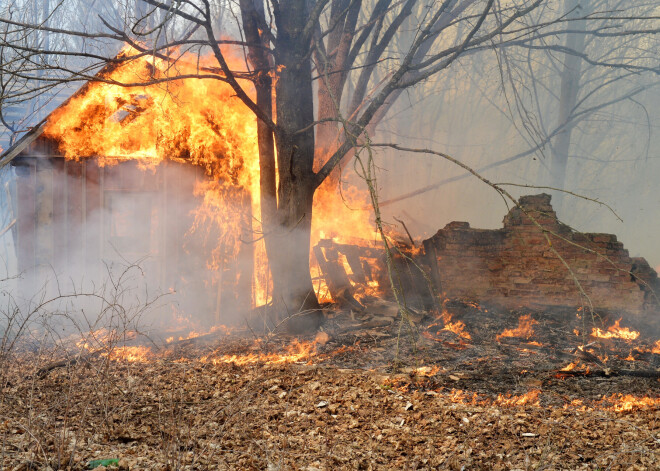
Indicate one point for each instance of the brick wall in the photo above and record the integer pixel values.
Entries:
(516, 266)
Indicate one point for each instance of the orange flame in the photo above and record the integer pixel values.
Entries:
(656, 348)
(196, 121)
(458, 396)
(444, 320)
(629, 402)
(531, 398)
(340, 214)
(106, 343)
(525, 328)
(457, 327)
(615, 332)
(296, 352)
(615, 402)
(132, 354)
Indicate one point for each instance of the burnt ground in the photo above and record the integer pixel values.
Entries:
(375, 393)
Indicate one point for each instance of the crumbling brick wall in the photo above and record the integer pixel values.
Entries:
(516, 266)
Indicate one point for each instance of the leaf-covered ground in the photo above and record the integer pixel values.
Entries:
(194, 415)
(230, 402)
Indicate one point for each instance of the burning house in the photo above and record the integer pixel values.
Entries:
(150, 175)
(165, 175)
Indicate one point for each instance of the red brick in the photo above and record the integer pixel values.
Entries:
(514, 266)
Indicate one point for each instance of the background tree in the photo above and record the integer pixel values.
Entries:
(500, 112)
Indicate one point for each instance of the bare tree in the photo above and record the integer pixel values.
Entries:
(333, 68)
(570, 99)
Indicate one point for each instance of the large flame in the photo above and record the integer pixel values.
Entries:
(197, 121)
(201, 122)
(193, 120)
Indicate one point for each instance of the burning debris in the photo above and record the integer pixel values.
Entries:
(513, 267)
(615, 332)
(349, 273)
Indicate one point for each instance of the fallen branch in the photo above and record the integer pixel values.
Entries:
(609, 373)
(43, 371)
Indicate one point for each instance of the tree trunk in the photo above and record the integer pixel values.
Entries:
(570, 85)
(333, 73)
(251, 13)
(292, 281)
(327, 133)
